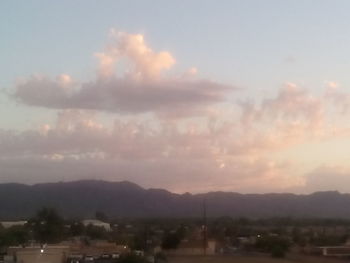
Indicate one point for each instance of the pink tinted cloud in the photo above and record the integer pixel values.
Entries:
(143, 88)
(229, 148)
(79, 146)
(292, 103)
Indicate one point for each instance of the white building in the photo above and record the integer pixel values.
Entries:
(95, 222)
(8, 224)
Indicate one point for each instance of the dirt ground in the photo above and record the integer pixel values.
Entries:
(252, 259)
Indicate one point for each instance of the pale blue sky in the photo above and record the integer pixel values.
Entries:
(257, 45)
(228, 40)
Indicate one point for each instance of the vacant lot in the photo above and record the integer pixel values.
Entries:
(251, 259)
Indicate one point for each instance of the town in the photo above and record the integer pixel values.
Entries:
(47, 237)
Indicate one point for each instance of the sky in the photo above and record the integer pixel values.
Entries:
(191, 96)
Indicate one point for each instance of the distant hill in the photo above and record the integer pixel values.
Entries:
(82, 199)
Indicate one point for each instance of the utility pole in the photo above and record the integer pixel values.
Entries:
(204, 227)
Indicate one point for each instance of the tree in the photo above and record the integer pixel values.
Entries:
(99, 215)
(14, 236)
(160, 258)
(77, 229)
(277, 246)
(171, 241)
(48, 226)
(95, 232)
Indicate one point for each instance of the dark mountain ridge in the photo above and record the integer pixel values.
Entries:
(81, 199)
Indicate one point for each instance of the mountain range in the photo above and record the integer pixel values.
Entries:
(81, 199)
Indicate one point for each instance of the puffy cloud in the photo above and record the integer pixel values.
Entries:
(142, 89)
(338, 99)
(292, 117)
(295, 116)
(146, 63)
(293, 104)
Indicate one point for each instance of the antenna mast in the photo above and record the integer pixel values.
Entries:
(205, 234)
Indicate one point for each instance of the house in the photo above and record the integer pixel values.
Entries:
(39, 254)
(97, 248)
(98, 223)
(8, 224)
(336, 251)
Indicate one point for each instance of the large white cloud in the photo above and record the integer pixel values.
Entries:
(142, 88)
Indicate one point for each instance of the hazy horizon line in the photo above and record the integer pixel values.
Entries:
(172, 192)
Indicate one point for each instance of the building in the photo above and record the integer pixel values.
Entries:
(39, 254)
(8, 224)
(98, 247)
(68, 251)
(98, 223)
(337, 251)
